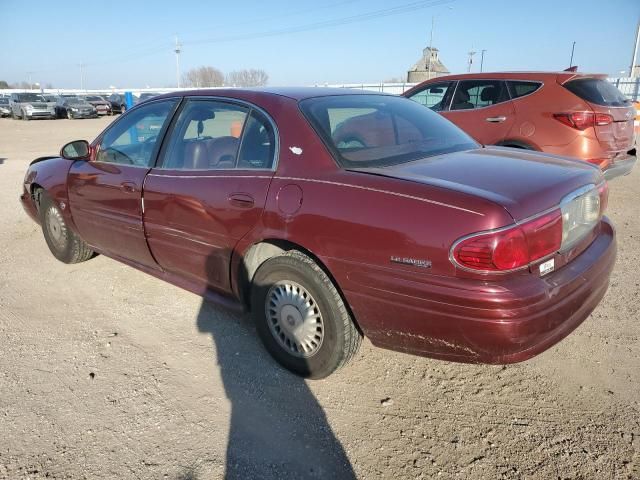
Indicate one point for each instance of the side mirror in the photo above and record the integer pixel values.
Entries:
(76, 150)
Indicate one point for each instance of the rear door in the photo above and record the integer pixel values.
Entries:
(483, 109)
(603, 97)
(105, 194)
(435, 96)
(209, 188)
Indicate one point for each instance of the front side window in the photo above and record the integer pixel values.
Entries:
(472, 94)
(434, 96)
(132, 140)
(380, 130)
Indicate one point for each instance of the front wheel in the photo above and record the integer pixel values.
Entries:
(69, 115)
(65, 245)
(300, 316)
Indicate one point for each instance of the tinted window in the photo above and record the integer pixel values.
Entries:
(377, 130)
(520, 89)
(206, 136)
(472, 94)
(433, 96)
(258, 143)
(132, 140)
(598, 91)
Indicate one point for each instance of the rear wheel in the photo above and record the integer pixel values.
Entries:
(300, 316)
(69, 115)
(25, 117)
(65, 245)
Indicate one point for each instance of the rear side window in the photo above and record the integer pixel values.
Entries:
(598, 91)
(520, 88)
(472, 94)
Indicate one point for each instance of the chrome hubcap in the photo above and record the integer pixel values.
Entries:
(56, 227)
(294, 319)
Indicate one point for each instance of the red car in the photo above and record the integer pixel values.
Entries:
(570, 114)
(332, 214)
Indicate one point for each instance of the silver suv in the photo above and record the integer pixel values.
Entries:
(30, 105)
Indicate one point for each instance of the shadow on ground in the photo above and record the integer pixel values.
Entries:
(277, 429)
(2, 160)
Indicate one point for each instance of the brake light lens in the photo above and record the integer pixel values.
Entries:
(583, 120)
(511, 248)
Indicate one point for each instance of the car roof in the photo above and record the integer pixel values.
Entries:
(295, 93)
(561, 77)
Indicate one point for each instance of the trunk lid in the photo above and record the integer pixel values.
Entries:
(523, 182)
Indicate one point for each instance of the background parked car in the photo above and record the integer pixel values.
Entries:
(75, 107)
(5, 110)
(28, 106)
(102, 106)
(566, 113)
(146, 96)
(118, 102)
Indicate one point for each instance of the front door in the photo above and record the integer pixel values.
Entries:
(209, 189)
(105, 193)
(483, 109)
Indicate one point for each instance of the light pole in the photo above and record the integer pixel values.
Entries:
(433, 23)
(177, 49)
(482, 59)
(471, 54)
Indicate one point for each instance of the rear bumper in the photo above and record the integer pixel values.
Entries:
(620, 167)
(482, 322)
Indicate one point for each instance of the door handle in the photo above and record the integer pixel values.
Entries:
(241, 200)
(496, 119)
(128, 187)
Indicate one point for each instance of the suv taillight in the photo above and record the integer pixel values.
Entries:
(516, 247)
(583, 120)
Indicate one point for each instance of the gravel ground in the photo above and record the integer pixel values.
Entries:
(106, 372)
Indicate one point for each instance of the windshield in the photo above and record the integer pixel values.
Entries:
(75, 101)
(94, 98)
(30, 97)
(4, 101)
(380, 130)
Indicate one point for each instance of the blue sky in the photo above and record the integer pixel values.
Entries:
(129, 44)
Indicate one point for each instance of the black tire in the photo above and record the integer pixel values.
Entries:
(69, 115)
(13, 115)
(64, 244)
(123, 108)
(340, 338)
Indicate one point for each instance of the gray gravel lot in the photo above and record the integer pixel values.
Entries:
(106, 372)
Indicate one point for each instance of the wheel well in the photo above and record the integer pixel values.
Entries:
(260, 252)
(516, 144)
(36, 191)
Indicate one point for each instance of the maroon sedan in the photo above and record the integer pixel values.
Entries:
(332, 214)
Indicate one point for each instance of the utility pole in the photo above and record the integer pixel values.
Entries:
(433, 20)
(178, 49)
(635, 52)
(482, 59)
(471, 54)
(29, 76)
(572, 50)
(82, 65)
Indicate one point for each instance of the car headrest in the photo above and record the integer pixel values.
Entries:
(489, 94)
(461, 96)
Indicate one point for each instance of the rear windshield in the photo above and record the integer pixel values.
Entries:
(598, 91)
(379, 130)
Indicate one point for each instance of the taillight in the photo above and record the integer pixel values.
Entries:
(511, 248)
(518, 246)
(583, 120)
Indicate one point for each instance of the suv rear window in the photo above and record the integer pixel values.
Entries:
(520, 88)
(598, 91)
(380, 130)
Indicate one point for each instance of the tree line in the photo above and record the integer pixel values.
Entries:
(212, 77)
